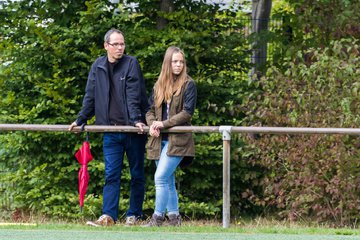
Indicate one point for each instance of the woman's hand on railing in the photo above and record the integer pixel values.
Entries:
(157, 124)
(154, 131)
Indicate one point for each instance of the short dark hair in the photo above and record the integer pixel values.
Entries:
(111, 31)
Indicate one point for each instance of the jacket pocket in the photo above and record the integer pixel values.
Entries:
(153, 146)
(181, 139)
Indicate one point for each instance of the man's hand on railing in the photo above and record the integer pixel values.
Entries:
(72, 126)
(141, 126)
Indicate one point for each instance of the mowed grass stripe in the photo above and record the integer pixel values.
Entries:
(42, 234)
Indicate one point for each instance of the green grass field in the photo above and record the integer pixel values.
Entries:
(59, 231)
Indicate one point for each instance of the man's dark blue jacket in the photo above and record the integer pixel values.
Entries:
(131, 88)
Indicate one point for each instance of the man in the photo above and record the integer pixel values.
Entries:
(115, 95)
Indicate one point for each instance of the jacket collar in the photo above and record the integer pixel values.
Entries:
(103, 62)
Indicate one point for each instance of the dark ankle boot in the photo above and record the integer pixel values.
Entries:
(174, 220)
(155, 221)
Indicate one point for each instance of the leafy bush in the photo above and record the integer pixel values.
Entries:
(43, 79)
(312, 176)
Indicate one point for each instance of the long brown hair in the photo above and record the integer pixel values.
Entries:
(167, 84)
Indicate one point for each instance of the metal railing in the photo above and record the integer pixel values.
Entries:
(224, 130)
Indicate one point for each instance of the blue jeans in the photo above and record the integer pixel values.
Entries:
(166, 193)
(114, 147)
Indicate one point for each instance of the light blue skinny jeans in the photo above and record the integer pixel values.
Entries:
(166, 194)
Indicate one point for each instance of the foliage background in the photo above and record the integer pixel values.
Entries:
(47, 49)
(311, 175)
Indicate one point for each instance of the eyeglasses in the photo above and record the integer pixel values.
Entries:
(116, 45)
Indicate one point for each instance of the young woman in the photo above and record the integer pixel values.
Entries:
(172, 104)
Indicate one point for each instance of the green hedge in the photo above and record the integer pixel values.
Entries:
(311, 176)
(43, 82)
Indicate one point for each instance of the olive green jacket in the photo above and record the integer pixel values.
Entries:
(180, 144)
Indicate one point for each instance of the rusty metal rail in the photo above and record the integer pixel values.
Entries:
(194, 129)
(224, 130)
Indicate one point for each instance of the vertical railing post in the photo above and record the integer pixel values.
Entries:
(226, 137)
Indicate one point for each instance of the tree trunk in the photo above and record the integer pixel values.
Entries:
(260, 22)
(166, 6)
